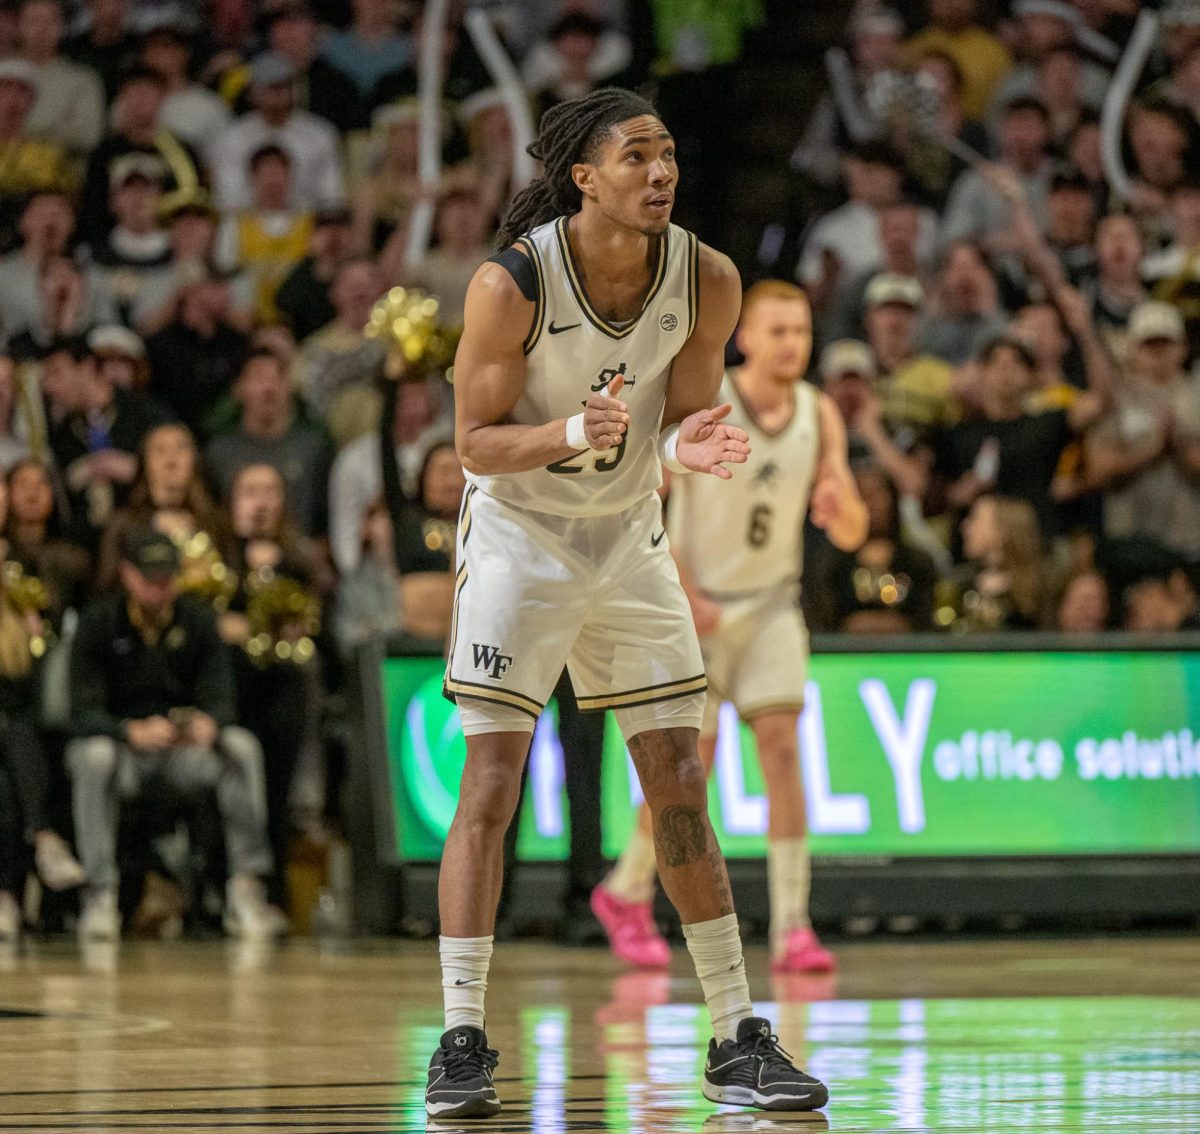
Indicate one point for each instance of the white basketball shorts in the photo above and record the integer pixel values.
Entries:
(757, 657)
(599, 594)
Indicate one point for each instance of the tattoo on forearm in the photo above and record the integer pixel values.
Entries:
(682, 835)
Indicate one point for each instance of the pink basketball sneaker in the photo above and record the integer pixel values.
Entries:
(632, 934)
(803, 953)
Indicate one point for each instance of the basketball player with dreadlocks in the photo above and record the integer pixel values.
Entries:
(744, 602)
(592, 353)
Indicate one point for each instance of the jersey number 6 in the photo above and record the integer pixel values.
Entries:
(760, 525)
(601, 462)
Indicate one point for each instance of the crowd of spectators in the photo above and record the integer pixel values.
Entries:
(216, 484)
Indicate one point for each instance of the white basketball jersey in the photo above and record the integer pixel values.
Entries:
(572, 351)
(747, 534)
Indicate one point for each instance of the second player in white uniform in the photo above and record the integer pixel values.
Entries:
(739, 546)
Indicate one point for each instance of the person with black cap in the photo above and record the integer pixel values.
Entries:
(311, 142)
(152, 699)
(191, 111)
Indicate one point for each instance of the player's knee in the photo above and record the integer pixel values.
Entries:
(488, 797)
(780, 757)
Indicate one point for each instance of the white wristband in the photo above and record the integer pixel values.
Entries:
(576, 437)
(668, 446)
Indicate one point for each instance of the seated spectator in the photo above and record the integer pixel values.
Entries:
(845, 243)
(1083, 604)
(899, 240)
(1156, 604)
(30, 166)
(45, 228)
(886, 587)
(1070, 224)
(121, 356)
(14, 441)
(1117, 287)
(1011, 447)
(269, 238)
(978, 208)
(293, 32)
(70, 103)
(71, 298)
(136, 246)
(1059, 85)
(99, 431)
(303, 297)
(1173, 273)
(1001, 581)
(35, 538)
(1145, 454)
(338, 366)
(462, 228)
(192, 112)
(848, 375)
(24, 773)
(964, 311)
(1044, 28)
(385, 197)
(370, 50)
(915, 390)
(310, 142)
(1162, 140)
(369, 603)
(954, 30)
(168, 495)
(419, 416)
(425, 534)
(191, 226)
(194, 359)
(578, 54)
(273, 695)
(106, 44)
(271, 432)
(152, 698)
(136, 128)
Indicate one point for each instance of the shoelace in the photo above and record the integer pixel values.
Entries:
(466, 1064)
(768, 1050)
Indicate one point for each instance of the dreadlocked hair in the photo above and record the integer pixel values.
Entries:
(570, 132)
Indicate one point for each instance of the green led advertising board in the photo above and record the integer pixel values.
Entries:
(984, 754)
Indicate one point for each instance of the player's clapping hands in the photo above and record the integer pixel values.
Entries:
(606, 417)
(707, 444)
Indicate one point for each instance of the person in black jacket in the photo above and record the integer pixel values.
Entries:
(152, 698)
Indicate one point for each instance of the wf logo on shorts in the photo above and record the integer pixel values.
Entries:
(607, 375)
(490, 659)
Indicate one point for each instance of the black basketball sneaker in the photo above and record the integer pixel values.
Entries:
(460, 1076)
(753, 1070)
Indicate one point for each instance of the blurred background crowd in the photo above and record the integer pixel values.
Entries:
(994, 208)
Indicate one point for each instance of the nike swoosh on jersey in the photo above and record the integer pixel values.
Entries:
(656, 540)
(559, 330)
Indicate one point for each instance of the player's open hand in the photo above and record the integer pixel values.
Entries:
(606, 417)
(825, 505)
(707, 444)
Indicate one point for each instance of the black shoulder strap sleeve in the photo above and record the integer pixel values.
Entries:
(520, 267)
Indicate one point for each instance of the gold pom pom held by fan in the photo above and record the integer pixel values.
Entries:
(27, 598)
(284, 617)
(419, 344)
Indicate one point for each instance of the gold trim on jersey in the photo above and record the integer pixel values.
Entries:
(748, 409)
(575, 280)
(647, 695)
(693, 281)
(539, 308)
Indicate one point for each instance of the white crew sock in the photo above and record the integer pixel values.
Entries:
(465, 962)
(716, 951)
(788, 880)
(632, 879)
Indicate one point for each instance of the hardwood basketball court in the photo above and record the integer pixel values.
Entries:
(964, 1036)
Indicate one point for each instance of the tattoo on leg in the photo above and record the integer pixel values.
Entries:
(681, 835)
(659, 756)
(721, 880)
